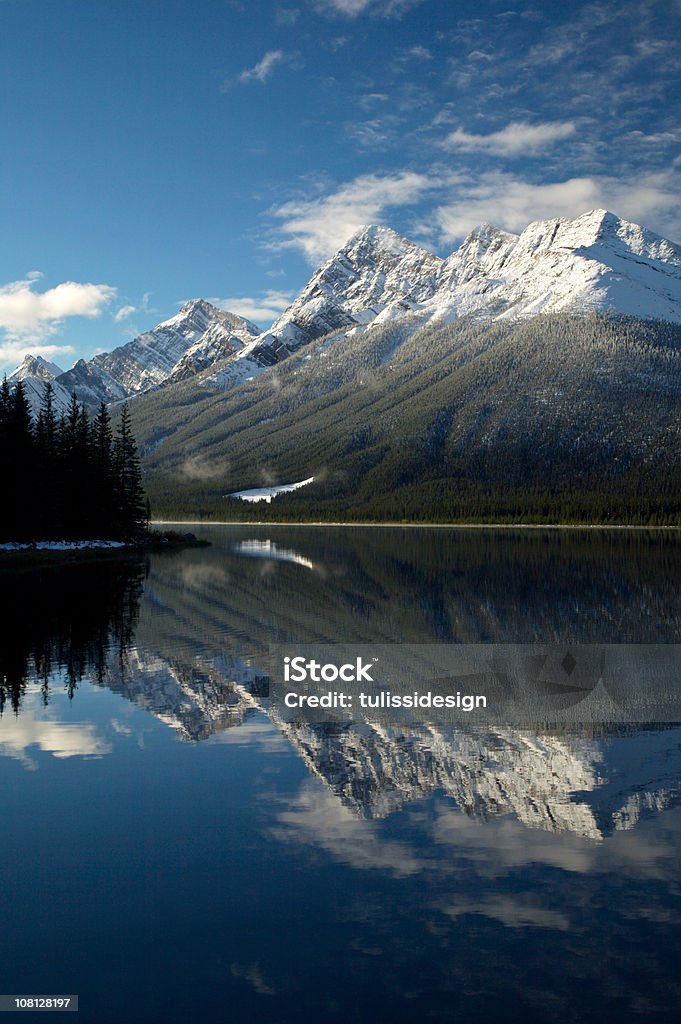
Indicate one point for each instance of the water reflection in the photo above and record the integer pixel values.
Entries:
(60, 739)
(347, 871)
(64, 622)
(191, 651)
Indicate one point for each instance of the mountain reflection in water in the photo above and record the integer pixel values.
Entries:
(428, 850)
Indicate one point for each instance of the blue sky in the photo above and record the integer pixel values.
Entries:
(161, 150)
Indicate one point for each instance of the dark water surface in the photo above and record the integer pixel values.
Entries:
(172, 851)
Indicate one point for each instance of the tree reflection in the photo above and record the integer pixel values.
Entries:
(66, 619)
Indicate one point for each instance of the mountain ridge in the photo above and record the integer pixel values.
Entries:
(405, 385)
(595, 262)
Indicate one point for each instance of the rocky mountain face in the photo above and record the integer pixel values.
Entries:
(34, 372)
(552, 356)
(563, 781)
(196, 338)
(375, 271)
(595, 263)
(199, 333)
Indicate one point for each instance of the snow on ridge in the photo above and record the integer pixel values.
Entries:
(35, 366)
(595, 262)
(256, 494)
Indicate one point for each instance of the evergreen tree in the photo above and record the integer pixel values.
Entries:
(128, 480)
(67, 477)
(6, 511)
(46, 468)
(21, 479)
(103, 496)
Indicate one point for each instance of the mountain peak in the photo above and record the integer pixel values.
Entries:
(198, 305)
(485, 231)
(35, 366)
(377, 238)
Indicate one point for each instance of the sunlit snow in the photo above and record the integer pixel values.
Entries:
(267, 493)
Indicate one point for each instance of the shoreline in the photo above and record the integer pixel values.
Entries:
(43, 549)
(414, 526)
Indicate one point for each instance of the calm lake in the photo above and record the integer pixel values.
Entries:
(174, 851)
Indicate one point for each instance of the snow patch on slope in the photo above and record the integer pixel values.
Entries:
(267, 493)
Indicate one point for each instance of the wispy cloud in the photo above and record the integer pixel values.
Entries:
(287, 15)
(370, 99)
(262, 309)
(28, 315)
(376, 133)
(318, 227)
(512, 203)
(378, 8)
(516, 139)
(417, 53)
(124, 312)
(261, 71)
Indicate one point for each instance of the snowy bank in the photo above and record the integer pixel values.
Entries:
(61, 545)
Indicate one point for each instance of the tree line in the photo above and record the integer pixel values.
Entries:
(68, 476)
(76, 623)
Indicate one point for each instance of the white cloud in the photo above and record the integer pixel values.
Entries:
(371, 98)
(418, 53)
(264, 68)
(511, 203)
(517, 139)
(512, 912)
(320, 226)
(262, 309)
(31, 316)
(349, 7)
(12, 353)
(353, 8)
(60, 739)
(124, 312)
(316, 818)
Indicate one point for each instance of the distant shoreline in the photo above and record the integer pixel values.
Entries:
(418, 526)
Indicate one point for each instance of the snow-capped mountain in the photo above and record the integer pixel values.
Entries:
(442, 373)
(196, 337)
(375, 270)
(35, 372)
(595, 263)
(91, 384)
(224, 336)
(152, 357)
(36, 366)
